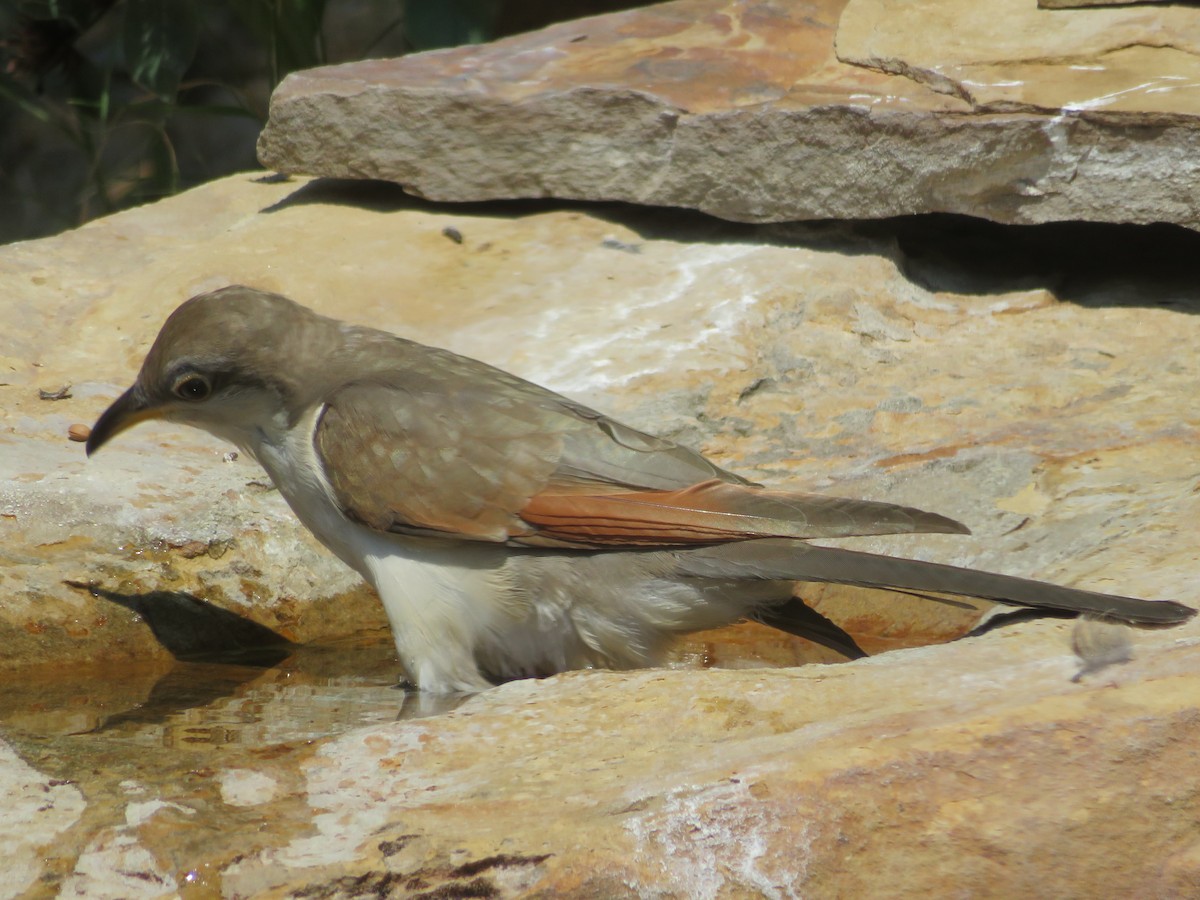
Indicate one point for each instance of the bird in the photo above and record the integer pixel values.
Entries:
(511, 532)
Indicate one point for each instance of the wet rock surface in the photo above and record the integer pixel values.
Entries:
(1036, 384)
(758, 113)
(320, 779)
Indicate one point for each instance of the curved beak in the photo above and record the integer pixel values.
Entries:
(125, 412)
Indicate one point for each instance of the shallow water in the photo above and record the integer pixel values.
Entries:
(283, 696)
(310, 693)
(175, 755)
(159, 721)
(170, 739)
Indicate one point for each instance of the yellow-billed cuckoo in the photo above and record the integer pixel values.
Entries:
(508, 530)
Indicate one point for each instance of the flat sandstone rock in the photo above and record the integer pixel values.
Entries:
(1038, 386)
(1079, 4)
(1126, 60)
(745, 111)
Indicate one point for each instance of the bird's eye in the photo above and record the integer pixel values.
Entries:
(193, 388)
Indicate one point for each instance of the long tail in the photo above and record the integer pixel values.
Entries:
(791, 560)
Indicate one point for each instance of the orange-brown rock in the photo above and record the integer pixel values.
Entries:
(745, 111)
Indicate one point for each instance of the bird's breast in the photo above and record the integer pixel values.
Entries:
(290, 459)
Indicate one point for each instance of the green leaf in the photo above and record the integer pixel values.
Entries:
(15, 93)
(160, 42)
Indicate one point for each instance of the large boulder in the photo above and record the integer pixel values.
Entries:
(1041, 394)
(773, 112)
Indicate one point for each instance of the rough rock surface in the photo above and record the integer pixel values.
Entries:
(1004, 779)
(1124, 60)
(745, 111)
(1072, 4)
(1037, 385)
(975, 769)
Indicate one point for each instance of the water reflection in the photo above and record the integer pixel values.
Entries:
(237, 683)
(313, 692)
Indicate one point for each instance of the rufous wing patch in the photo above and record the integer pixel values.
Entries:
(714, 511)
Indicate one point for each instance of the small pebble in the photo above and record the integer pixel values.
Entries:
(62, 393)
(611, 243)
(192, 549)
(79, 433)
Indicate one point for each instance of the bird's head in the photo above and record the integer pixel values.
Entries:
(227, 362)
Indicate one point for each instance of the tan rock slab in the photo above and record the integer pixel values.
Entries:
(977, 767)
(746, 112)
(802, 357)
(1038, 386)
(1074, 4)
(839, 782)
(37, 810)
(1120, 60)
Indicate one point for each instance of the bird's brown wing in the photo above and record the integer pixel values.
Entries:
(712, 512)
(507, 461)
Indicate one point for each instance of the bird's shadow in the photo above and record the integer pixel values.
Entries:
(193, 630)
(1005, 618)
